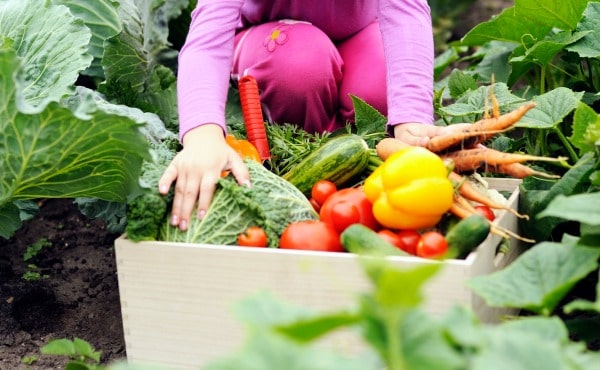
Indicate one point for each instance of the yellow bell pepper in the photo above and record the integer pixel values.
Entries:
(410, 190)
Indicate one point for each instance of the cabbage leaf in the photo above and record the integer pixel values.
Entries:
(271, 203)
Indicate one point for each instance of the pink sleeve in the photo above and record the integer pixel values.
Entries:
(408, 43)
(205, 64)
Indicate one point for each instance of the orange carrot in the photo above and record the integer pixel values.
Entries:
(521, 171)
(388, 146)
(482, 127)
(475, 158)
(461, 204)
(253, 117)
(470, 192)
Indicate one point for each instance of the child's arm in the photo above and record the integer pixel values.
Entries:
(205, 64)
(408, 44)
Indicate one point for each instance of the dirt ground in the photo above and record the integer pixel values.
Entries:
(78, 297)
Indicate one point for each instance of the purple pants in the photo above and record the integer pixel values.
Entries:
(307, 79)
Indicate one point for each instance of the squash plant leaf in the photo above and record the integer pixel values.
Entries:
(586, 128)
(559, 14)
(579, 207)
(539, 279)
(589, 45)
(552, 107)
(507, 26)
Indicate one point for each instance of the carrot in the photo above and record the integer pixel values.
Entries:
(253, 117)
(470, 192)
(464, 207)
(482, 127)
(475, 158)
(388, 146)
(521, 171)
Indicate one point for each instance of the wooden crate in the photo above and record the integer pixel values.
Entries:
(176, 298)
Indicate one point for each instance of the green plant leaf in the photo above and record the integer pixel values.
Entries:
(472, 105)
(589, 45)
(508, 27)
(579, 207)
(370, 124)
(102, 18)
(61, 347)
(56, 154)
(52, 44)
(552, 107)
(586, 128)
(539, 278)
(544, 51)
(559, 14)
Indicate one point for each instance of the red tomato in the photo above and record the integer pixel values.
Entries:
(354, 196)
(254, 236)
(409, 240)
(344, 214)
(321, 190)
(316, 206)
(432, 245)
(392, 238)
(311, 235)
(486, 212)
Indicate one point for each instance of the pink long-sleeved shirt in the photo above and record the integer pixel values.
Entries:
(206, 58)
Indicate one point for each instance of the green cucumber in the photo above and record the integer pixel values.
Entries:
(466, 235)
(339, 160)
(359, 239)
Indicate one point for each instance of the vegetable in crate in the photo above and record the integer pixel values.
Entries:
(271, 203)
(339, 160)
(410, 190)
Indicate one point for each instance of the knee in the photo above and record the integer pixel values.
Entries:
(307, 63)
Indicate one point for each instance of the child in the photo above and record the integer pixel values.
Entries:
(307, 56)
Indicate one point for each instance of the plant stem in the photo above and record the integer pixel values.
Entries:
(567, 144)
(394, 350)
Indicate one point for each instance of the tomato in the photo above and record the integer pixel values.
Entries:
(312, 235)
(409, 240)
(392, 238)
(321, 190)
(339, 216)
(486, 212)
(316, 206)
(254, 236)
(432, 244)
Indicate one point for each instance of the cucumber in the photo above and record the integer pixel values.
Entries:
(466, 235)
(338, 160)
(359, 239)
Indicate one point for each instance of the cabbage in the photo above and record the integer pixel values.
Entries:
(271, 203)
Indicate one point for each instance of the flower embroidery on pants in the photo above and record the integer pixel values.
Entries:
(278, 36)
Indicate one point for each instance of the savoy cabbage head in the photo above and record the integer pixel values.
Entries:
(271, 203)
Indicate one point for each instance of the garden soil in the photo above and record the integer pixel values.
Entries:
(78, 296)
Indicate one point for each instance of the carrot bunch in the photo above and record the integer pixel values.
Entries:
(462, 148)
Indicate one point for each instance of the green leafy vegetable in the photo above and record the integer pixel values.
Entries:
(270, 202)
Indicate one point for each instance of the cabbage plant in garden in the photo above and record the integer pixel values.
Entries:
(89, 113)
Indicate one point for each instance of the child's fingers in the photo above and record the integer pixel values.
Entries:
(240, 171)
(167, 179)
(186, 195)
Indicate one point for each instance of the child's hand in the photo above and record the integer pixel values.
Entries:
(418, 134)
(196, 170)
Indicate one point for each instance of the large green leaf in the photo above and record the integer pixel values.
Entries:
(589, 46)
(539, 279)
(586, 128)
(552, 107)
(58, 154)
(579, 207)
(507, 26)
(134, 59)
(102, 18)
(52, 43)
(559, 14)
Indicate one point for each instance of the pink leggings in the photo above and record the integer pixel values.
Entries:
(305, 78)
